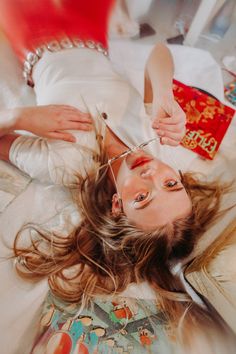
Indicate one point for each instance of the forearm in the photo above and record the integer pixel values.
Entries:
(6, 142)
(159, 73)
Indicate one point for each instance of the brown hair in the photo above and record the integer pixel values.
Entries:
(105, 254)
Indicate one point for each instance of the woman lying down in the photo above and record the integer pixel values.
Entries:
(139, 217)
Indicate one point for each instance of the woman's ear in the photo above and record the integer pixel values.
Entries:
(116, 205)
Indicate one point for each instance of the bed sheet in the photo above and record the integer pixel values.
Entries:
(23, 199)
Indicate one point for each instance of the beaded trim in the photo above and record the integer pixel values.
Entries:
(55, 46)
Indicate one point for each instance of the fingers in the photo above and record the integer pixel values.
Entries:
(65, 107)
(169, 141)
(62, 136)
(178, 128)
(71, 125)
(80, 117)
(173, 120)
(170, 127)
(170, 130)
(178, 117)
(171, 134)
(76, 116)
(168, 121)
(69, 113)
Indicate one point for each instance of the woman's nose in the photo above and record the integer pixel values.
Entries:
(152, 178)
(148, 173)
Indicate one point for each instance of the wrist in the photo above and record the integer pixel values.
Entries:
(8, 121)
(163, 96)
(163, 89)
(20, 118)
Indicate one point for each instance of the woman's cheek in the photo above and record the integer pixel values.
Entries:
(131, 186)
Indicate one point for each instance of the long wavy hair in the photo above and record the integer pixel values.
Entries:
(106, 253)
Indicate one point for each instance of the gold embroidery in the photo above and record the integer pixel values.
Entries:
(206, 142)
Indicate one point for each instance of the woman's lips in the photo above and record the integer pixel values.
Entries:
(137, 158)
(140, 162)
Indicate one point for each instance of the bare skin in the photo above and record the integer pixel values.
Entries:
(151, 192)
(50, 121)
(168, 118)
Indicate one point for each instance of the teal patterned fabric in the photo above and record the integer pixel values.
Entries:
(123, 325)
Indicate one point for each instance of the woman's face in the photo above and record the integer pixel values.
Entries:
(152, 193)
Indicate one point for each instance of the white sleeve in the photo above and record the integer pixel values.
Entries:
(51, 161)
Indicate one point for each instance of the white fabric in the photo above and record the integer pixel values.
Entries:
(31, 201)
(51, 206)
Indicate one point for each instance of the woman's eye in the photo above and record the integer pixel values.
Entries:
(171, 183)
(140, 197)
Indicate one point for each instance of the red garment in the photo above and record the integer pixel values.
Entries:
(30, 23)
